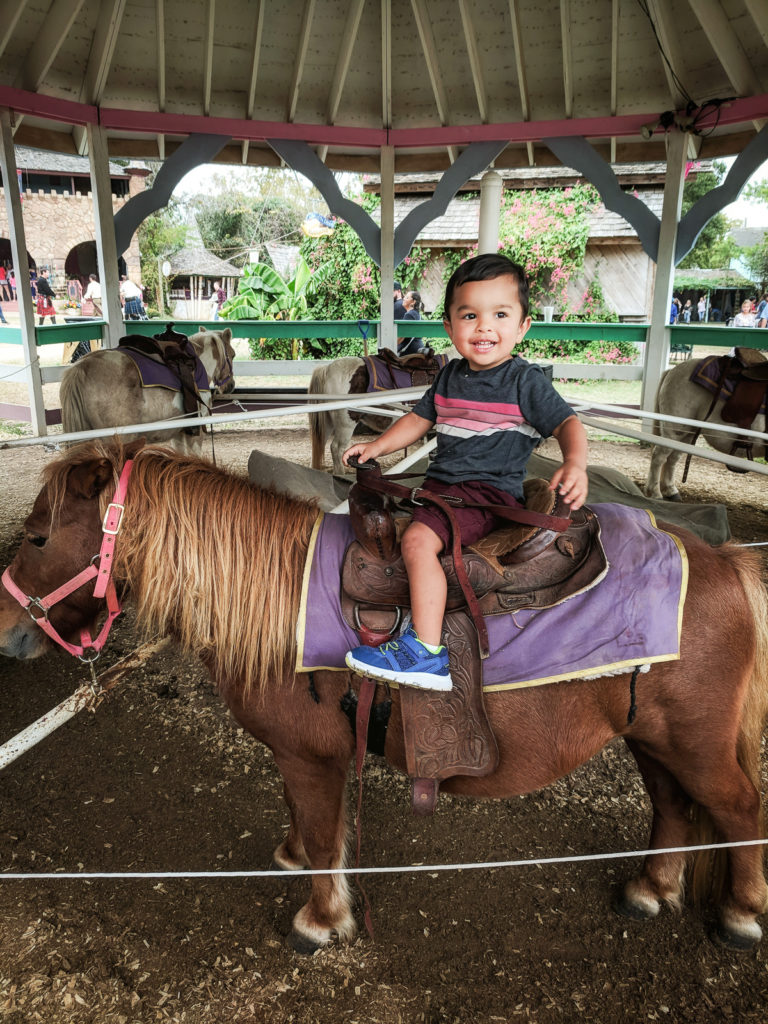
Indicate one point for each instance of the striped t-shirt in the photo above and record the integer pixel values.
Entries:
(489, 421)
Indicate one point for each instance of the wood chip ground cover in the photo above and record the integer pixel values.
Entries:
(159, 779)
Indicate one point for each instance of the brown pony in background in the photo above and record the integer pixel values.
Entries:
(217, 563)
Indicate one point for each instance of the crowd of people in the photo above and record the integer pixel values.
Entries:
(753, 312)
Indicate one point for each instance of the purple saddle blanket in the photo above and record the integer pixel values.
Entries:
(632, 617)
(154, 374)
(383, 376)
(707, 373)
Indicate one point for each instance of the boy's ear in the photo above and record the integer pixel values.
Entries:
(447, 327)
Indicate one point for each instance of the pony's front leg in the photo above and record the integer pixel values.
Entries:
(342, 430)
(315, 790)
(661, 474)
(290, 854)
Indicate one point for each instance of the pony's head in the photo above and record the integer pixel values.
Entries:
(62, 535)
(217, 353)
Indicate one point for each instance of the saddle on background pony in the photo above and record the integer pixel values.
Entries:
(741, 381)
(169, 360)
(533, 564)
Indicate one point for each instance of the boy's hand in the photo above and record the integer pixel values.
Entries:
(363, 452)
(573, 482)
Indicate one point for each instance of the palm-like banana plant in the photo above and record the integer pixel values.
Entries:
(264, 295)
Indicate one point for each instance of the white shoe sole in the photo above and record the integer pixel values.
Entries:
(421, 681)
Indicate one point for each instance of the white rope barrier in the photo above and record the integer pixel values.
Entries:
(404, 869)
(713, 456)
(642, 414)
(84, 697)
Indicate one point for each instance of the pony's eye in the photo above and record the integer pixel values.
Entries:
(36, 539)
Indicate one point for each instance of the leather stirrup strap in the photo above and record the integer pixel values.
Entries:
(362, 717)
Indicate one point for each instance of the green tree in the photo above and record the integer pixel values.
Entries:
(160, 235)
(237, 214)
(352, 288)
(713, 249)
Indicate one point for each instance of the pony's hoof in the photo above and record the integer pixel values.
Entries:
(736, 941)
(302, 944)
(635, 911)
(673, 497)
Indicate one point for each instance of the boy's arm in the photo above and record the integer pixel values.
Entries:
(405, 431)
(572, 475)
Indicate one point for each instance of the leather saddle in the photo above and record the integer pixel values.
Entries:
(172, 350)
(517, 566)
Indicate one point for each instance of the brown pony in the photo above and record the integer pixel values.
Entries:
(217, 563)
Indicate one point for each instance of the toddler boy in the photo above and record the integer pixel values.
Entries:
(491, 408)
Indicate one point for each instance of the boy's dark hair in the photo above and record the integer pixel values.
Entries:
(486, 267)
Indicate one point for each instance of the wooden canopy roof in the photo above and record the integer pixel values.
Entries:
(349, 76)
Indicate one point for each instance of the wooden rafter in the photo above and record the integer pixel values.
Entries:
(300, 58)
(386, 63)
(432, 64)
(51, 37)
(161, 87)
(565, 36)
(474, 60)
(668, 31)
(758, 11)
(340, 72)
(10, 15)
(727, 47)
(102, 50)
(614, 69)
(210, 31)
(522, 79)
(258, 32)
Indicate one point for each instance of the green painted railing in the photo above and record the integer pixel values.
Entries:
(714, 335)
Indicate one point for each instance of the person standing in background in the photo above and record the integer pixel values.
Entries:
(701, 309)
(399, 307)
(45, 297)
(131, 294)
(12, 283)
(5, 295)
(762, 312)
(408, 346)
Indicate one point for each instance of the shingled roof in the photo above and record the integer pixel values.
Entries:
(194, 261)
(458, 226)
(44, 161)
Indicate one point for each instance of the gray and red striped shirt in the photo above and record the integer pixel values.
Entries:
(489, 421)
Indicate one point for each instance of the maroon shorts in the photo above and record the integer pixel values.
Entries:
(474, 523)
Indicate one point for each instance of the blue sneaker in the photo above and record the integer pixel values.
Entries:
(404, 660)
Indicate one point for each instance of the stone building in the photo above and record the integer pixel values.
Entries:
(57, 206)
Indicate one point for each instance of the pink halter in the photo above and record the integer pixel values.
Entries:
(104, 586)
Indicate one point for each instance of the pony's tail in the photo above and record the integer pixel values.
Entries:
(74, 410)
(318, 421)
(657, 423)
(709, 871)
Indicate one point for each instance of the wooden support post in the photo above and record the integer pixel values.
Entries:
(388, 333)
(106, 247)
(657, 349)
(21, 265)
(491, 188)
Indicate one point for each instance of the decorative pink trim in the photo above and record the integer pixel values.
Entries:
(737, 111)
(38, 105)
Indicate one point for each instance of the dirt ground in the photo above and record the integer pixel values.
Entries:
(159, 779)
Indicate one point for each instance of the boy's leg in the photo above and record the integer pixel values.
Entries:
(416, 657)
(421, 548)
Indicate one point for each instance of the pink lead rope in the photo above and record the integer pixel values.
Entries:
(104, 586)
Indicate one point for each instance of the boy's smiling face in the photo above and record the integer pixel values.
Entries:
(486, 321)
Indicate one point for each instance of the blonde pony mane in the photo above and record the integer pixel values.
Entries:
(210, 559)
